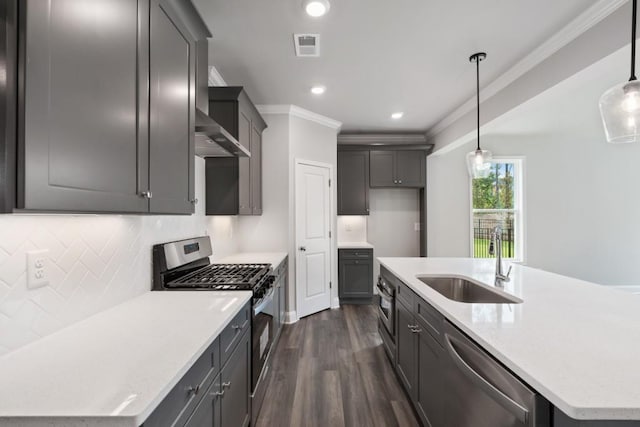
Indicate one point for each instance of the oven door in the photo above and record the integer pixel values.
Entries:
(263, 331)
(386, 305)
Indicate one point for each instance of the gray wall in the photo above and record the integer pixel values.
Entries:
(391, 223)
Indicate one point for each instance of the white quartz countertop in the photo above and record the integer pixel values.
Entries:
(114, 368)
(273, 258)
(576, 343)
(354, 245)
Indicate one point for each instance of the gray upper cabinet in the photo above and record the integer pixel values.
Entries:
(383, 169)
(353, 183)
(256, 171)
(398, 168)
(231, 107)
(172, 111)
(107, 116)
(85, 142)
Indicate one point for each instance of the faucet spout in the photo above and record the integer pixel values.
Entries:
(495, 247)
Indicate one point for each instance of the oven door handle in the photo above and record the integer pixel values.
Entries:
(263, 302)
(383, 292)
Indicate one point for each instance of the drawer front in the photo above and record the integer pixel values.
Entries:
(183, 398)
(430, 319)
(363, 253)
(231, 335)
(404, 294)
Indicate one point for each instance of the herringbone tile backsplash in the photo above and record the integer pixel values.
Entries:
(95, 262)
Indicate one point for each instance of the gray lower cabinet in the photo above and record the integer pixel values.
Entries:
(231, 107)
(106, 113)
(235, 384)
(429, 384)
(353, 183)
(406, 348)
(355, 275)
(207, 413)
(420, 356)
(398, 168)
(227, 402)
(216, 390)
(281, 273)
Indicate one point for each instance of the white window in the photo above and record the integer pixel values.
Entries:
(497, 201)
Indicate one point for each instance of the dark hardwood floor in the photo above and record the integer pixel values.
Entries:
(330, 369)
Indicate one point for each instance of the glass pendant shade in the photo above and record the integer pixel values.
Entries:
(620, 110)
(479, 163)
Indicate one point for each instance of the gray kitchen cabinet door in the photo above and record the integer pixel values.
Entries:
(244, 163)
(244, 127)
(172, 111)
(353, 183)
(429, 383)
(83, 134)
(232, 108)
(235, 380)
(221, 186)
(355, 279)
(256, 171)
(382, 169)
(207, 413)
(244, 186)
(406, 348)
(410, 168)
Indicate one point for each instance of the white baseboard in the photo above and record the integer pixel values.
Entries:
(290, 317)
(335, 303)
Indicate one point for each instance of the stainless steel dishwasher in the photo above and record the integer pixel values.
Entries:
(482, 393)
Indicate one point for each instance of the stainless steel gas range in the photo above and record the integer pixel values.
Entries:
(185, 266)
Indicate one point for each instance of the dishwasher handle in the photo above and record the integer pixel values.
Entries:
(519, 411)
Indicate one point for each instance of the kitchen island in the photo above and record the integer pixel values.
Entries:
(574, 342)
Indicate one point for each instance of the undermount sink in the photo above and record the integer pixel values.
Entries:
(462, 290)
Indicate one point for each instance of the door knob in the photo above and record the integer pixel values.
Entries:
(303, 249)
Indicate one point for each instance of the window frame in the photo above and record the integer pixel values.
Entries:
(519, 208)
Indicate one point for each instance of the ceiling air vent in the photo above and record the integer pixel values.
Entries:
(307, 44)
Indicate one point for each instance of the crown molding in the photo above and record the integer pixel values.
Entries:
(573, 30)
(294, 110)
(215, 78)
(381, 138)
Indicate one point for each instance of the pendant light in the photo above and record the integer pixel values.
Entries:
(478, 161)
(620, 105)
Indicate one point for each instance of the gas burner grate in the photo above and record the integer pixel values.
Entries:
(223, 277)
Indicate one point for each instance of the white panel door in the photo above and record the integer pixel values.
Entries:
(313, 241)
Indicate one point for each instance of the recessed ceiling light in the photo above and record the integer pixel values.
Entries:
(318, 90)
(397, 115)
(316, 8)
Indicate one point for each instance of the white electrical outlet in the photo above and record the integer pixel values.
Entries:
(37, 271)
(416, 226)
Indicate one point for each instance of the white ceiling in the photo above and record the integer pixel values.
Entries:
(377, 56)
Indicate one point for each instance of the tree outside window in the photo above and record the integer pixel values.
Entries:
(497, 202)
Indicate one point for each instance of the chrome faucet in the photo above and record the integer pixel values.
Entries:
(495, 248)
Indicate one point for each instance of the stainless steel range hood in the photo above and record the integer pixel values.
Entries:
(212, 140)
